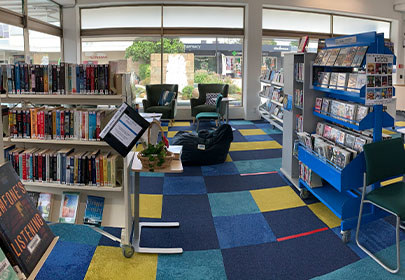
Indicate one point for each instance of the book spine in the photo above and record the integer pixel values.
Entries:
(57, 124)
(105, 171)
(83, 125)
(76, 87)
(97, 167)
(47, 167)
(98, 125)
(67, 124)
(96, 81)
(71, 124)
(93, 171)
(101, 171)
(39, 167)
(113, 171)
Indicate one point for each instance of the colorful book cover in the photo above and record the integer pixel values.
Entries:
(24, 232)
(44, 205)
(6, 270)
(34, 198)
(69, 206)
(93, 214)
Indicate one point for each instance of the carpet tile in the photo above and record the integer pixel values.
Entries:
(232, 203)
(189, 170)
(68, 260)
(258, 165)
(255, 131)
(191, 265)
(292, 221)
(260, 145)
(76, 233)
(325, 215)
(227, 168)
(150, 205)
(243, 230)
(255, 138)
(276, 198)
(184, 185)
(238, 137)
(151, 185)
(104, 241)
(258, 154)
(108, 263)
(241, 122)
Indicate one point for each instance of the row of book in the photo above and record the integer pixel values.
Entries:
(352, 82)
(273, 93)
(64, 78)
(93, 214)
(308, 176)
(347, 57)
(299, 97)
(274, 76)
(346, 111)
(299, 72)
(57, 123)
(65, 166)
(272, 109)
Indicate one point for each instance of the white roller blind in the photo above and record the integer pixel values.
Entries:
(296, 21)
(214, 17)
(350, 25)
(128, 16)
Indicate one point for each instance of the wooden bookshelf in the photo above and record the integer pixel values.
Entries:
(56, 142)
(36, 185)
(81, 99)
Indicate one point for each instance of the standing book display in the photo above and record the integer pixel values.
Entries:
(364, 67)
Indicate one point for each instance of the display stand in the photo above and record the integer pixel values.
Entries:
(340, 192)
(271, 118)
(289, 166)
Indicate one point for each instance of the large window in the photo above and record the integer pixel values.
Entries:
(44, 49)
(44, 10)
(178, 44)
(349, 25)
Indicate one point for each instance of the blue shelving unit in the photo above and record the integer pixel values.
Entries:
(340, 191)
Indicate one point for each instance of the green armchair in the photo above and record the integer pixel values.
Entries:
(198, 105)
(151, 103)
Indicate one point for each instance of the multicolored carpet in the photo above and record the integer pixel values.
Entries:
(238, 220)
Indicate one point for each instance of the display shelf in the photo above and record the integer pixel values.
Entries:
(267, 117)
(28, 185)
(263, 96)
(366, 123)
(272, 83)
(56, 142)
(85, 99)
(357, 97)
(277, 103)
(277, 118)
(347, 178)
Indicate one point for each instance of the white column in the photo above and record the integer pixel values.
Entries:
(252, 60)
(71, 34)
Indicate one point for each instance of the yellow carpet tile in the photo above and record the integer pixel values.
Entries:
(170, 134)
(181, 124)
(165, 128)
(326, 216)
(246, 132)
(150, 205)
(228, 158)
(276, 199)
(399, 123)
(258, 145)
(109, 263)
(389, 132)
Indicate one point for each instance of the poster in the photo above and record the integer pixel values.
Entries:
(379, 89)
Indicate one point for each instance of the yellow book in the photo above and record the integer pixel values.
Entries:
(109, 171)
(105, 162)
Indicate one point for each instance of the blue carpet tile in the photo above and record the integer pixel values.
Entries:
(189, 170)
(226, 168)
(238, 137)
(253, 138)
(278, 138)
(184, 185)
(76, 233)
(256, 154)
(258, 165)
(104, 241)
(233, 183)
(232, 203)
(151, 185)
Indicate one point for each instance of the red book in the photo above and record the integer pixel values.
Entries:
(24, 167)
(24, 119)
(62, 124)
(83, 124)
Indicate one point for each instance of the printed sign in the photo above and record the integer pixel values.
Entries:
(379, 89)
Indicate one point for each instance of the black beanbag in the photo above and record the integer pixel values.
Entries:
(205, 148)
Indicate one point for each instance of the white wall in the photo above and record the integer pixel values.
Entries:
(382, 9)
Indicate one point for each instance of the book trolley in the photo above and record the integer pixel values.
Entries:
(340, 189)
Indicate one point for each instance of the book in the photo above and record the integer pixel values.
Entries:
(349, 141)
(319, 57)
(349, 56)
(325, 57)
(333, 56)
(325, 105)
(327, 131)
(303, 43)
(318, 104)
(362, 111)
(319, 128)
(93, 214)
(350, 109)
(342, 56)
(68, 208)
(34, 198)
(333, 80)
(359, 57)
(352, 82)
(44, 205)
(359, 143)
(6, 270)
(24, 234)
(325, 79)
(342, 81)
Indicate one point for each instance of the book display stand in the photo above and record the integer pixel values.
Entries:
(340, 189)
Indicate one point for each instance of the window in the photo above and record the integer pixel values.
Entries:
(197, 16)
(189, 61)
(273, 50)
(349, 25)
(296, 21)
(44, 10)
(15, 6)
(135, 55)
(11, 44)
(116, 17)
(44, 49)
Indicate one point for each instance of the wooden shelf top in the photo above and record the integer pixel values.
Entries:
(56, 142)
(90, 99)
(71, 187)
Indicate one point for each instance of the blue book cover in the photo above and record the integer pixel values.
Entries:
(94, 210)
(92, 125)
(63, 169)
(17, 78)
(57, 124)
(72, 170)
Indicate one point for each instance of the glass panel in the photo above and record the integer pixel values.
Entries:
(15, 6)
(44, 48)
(273, 50)
(189, 61)
(134, 54)
(44, 10)
(135, 16)
(349, 25)
(296, 21)
(11, 44)
(222, 17)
